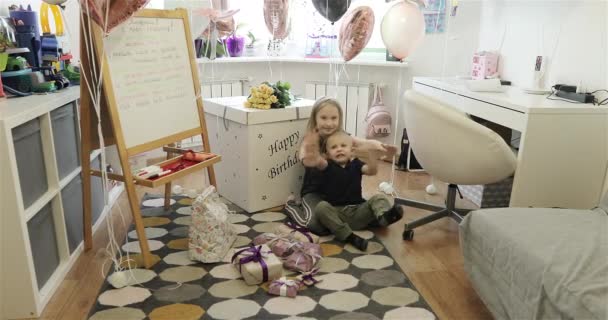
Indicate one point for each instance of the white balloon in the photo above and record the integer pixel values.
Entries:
(402, 29)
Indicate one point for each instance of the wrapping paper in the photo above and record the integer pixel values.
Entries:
(299, 233)
(285, 288)
(257, 264)
(280, 245)
(304, 258)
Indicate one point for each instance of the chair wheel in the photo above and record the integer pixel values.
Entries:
(408, 235)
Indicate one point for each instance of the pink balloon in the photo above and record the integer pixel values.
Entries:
(402, 29)
(118, 11)
(276, 16)
(355, 32)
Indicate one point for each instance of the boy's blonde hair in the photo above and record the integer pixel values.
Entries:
(338, 133)
(320, 104)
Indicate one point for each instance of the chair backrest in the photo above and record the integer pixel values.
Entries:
(452, 147)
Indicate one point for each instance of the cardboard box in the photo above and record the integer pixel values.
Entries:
(260, 167)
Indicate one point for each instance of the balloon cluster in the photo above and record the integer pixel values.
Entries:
(109, 14)
(402, 26)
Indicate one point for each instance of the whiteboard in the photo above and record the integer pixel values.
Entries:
(152, 78)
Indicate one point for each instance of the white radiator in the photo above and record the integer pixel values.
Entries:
(354, 98)
(214, 89)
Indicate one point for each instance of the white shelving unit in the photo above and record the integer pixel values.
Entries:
(41, 198)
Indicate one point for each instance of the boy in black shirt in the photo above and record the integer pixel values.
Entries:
(344, 209)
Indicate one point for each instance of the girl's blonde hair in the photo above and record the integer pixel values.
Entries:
(320, 104)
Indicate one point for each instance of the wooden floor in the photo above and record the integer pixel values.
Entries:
(432, 261)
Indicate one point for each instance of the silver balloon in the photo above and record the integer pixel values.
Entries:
(332, 10)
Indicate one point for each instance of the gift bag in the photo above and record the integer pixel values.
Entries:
(211, 234)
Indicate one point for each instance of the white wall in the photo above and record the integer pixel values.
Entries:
(577, 53)
(458, 43)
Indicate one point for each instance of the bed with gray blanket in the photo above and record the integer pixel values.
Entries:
(533, 263)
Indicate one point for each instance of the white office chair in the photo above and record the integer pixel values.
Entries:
(454, 149)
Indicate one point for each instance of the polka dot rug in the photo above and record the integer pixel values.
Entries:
(354, 285)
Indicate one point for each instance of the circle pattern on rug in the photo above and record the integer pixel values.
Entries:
(179, 292)
(344, 301)
(151, 233)
(158, 202)
(383, 278)
(232, 289)
(133, 246)
(119, 313)
(372, 261)
(228, 310)
(336, 281)
(393, 296)
(290, 306)
(186, 211)
(177, 311)
(181, 258)
(409, 313)
(123, 296)
(182, 274)
(268, 216)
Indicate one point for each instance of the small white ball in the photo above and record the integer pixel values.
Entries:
(177, 189)
(431, 189)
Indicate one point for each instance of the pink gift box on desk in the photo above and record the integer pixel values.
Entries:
(485, 65)
(304, 257)
(297, 232)
(257, 264)
(282, 246)
(284, 287)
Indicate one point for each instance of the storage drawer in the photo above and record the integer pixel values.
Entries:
(30, 161)
(43, 243)
(65, 137)
(71, 197)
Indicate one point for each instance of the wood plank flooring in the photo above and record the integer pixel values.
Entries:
(432, 261)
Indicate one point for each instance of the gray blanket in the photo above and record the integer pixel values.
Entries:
(538, 263)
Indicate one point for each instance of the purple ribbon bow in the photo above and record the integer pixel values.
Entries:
(300, 229)
(253, 254)
(308, 277)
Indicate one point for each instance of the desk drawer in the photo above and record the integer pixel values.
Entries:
(497, 114)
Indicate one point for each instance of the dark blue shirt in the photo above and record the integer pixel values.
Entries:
(342, 186)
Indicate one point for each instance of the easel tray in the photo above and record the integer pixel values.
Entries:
(189, 167)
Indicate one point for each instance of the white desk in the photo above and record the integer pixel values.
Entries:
(563, 153)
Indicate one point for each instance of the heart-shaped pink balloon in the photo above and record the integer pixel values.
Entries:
(355, 32)
(118, 11)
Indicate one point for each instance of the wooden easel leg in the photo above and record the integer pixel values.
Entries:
(168, 186)
(85, 122)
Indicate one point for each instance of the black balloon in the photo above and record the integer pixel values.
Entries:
(332, 10)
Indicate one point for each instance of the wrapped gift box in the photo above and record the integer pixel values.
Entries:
(260, 166)
(284, 287)
(281, 246)
(257, 264)
(298, 233)
(304, 258)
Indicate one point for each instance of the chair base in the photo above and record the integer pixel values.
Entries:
(441, 212)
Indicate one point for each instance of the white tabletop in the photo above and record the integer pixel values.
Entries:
(513, 98)
(15, 111)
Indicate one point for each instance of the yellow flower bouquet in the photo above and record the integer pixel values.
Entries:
(267, 96)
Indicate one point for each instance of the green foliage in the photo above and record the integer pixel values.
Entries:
(281, 91)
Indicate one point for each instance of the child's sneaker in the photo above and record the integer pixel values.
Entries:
(357, 242)
(391, 216)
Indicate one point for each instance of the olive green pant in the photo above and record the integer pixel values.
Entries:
(342, 220)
